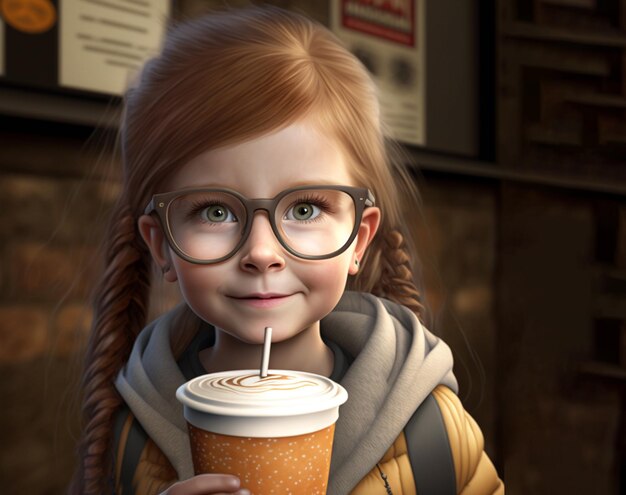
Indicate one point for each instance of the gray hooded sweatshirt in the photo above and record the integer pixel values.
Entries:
(396, 364)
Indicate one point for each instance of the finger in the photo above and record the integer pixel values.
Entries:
(203, 484)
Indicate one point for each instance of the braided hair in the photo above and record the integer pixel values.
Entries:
(121, 300)
(282, 67)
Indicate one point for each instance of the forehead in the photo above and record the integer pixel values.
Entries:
(298, 154)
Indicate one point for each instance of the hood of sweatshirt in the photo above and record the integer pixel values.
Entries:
(396, 363)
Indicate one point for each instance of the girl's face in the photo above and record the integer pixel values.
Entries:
(262, 284)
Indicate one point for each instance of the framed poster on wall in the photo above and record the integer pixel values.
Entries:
(88, 46)
(423, 56)
(385, 37)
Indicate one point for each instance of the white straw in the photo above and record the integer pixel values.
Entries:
(267, 342)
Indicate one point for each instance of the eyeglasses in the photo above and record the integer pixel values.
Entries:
(210, 225)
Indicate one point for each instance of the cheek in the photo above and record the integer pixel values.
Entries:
(331, 274)
(195, 280)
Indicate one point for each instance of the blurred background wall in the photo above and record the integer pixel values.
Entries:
(522, 244)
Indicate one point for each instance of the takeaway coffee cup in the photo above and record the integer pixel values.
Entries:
(275, 433)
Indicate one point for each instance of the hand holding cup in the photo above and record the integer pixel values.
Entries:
(207, 484)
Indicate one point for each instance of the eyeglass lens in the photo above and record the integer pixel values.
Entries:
(208, 225)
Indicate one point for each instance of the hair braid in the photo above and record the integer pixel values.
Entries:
(120, 306)
(299, 69)
(396, 275)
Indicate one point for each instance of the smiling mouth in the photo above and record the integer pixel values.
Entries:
(263, 300)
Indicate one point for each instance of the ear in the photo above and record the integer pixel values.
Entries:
(152, 234)
(367, 230)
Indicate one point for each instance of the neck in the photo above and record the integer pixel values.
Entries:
(305, 351)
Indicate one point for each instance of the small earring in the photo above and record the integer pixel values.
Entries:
(356, 262)
(166, 268)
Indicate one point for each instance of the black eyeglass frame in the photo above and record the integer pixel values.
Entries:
(160, 203)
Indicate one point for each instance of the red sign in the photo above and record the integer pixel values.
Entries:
(393, 20)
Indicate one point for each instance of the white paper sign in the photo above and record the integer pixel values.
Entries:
(386, 37)
(103, 43)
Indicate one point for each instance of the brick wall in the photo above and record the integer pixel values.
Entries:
(51, 216)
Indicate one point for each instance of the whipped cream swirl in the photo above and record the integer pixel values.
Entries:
(253, 384)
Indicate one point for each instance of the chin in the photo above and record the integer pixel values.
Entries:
(280, 332)
(247, 338)
(282, 336)
(277, 337)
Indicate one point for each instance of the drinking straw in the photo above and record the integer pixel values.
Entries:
(265, 360)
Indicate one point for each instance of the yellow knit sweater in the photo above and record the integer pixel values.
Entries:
(475, 474)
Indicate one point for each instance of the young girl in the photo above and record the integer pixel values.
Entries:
(256, 177)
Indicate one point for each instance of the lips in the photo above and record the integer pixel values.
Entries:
(268, 295)
(263, 300)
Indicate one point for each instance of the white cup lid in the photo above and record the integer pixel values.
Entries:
(245, 393)
(241, 403)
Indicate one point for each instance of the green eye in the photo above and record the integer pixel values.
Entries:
(217, 214)
(302, 212)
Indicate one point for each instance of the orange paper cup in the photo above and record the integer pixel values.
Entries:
(274, 433)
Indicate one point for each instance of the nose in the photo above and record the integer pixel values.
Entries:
(262, 251)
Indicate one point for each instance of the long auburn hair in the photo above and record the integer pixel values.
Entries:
(221, 79)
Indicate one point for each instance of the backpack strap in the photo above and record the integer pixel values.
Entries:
(429, 451)
(129, 441)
